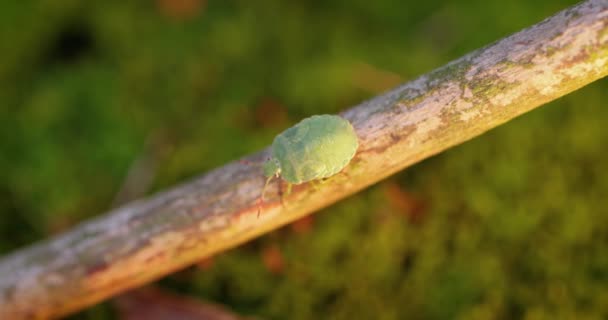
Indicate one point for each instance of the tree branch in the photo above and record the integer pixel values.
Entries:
(150, 238)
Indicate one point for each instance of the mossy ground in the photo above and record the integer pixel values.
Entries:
(510, 225)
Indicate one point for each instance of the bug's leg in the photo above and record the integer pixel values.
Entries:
(281, 191)
(261, 199)
(288, 189)
(315, 184)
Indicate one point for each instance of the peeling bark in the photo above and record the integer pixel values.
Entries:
(150, 238)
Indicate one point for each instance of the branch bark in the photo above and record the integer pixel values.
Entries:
(154, 304)
(150, 238)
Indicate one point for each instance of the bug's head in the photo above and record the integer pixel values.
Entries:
(272, 167)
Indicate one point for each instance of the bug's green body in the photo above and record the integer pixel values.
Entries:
(317, 147)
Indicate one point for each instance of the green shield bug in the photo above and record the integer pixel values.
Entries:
(317, 147)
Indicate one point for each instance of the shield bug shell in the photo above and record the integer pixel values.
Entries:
(315, 148)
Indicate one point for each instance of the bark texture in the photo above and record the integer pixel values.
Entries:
(150, 238)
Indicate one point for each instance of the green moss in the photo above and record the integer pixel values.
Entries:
(507, 64)
(417, 99)
(550, 51)
(603, 33)
(598, 54)
(486, 87)
(452, 72)
(435, 79)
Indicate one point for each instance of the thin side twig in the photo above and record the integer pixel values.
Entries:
(150, 238)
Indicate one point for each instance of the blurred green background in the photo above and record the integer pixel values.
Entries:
(103, 101)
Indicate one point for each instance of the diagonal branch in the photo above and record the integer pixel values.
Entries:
(150, 238)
